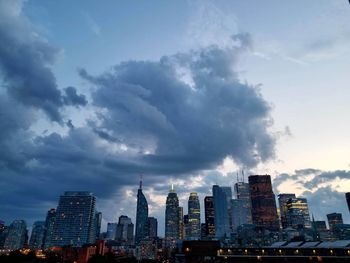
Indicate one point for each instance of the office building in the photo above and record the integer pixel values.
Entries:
(75, 220)
(297, 214)
(111, 233)
(221, 211)
(49, 228)
(264, 210)
(141, 231)
(125, 230)
(98, 219)
(37, 237)
(3, 233)
(209, 216)
(194, 217)
(152, 226)
(242, 193)
(17, 235)
(347, 196)
(172, 216)
(238, 214)
(181, 222)
(282, 201)
(334, 219)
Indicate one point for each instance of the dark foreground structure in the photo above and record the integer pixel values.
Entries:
(294, 252)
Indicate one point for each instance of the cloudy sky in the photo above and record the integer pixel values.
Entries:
(93, 95)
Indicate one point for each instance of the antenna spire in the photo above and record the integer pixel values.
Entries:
(141, 181)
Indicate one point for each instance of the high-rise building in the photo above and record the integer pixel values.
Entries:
(75, 219)
(334, 219)
(264, 210)
(152, 226)
(3, 233)
(347, 196)
(194, 217)
(141, 216)
(297, 214)
(209, 216)
(242, 193)
(282, 201)
(49, 228)
(125, 230)
(186, 227)
(221, 212)
(181, 223)
(37, 237)
(98, 219)
(172, 216)
(111, 231)
(238, 215)
(17, 235)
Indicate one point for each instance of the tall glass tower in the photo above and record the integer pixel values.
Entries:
(17, 235)
(221, 211)
(172, 216)
(141, 231)
(194, 217)
(75, 220)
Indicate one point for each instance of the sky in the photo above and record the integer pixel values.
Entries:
(93, 95)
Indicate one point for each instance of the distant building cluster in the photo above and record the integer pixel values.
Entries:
(248, 216)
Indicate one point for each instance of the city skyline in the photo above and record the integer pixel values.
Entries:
(184, 93)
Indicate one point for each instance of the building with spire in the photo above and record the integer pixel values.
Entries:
(141, 231)
(194, 217)
(172, 216)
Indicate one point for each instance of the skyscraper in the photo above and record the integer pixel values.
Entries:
(17, 235)
(49, 228)
(282, 201)
(264, 210)
(334, 219)
(3, 233)
(347, 196)
(141, 216)
(98, 219)
(238, 214)
(221, 212)
(37, 236)
(209, 216)
(75, 219)
(172, 216)
(194, 216)
(152, 226)
(111, 231)
(297, 214)
(181, 223)
(242, 193)
(125, 230)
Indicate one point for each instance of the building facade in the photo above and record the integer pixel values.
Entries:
(221, 212)
(141, 216)
(37, 236)
(209, 217)
(264, 210)
(194, 217)
(152, 226)
(49, 228)
(347, 196)
(172, 216)
(17, 235)
(282, 202)
(75, 220)
(125, 230)
(242, 193)
(297, 214)
(334, 219)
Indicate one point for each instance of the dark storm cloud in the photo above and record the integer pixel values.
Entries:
(72, 98)
(25, 65)
(185, 124)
